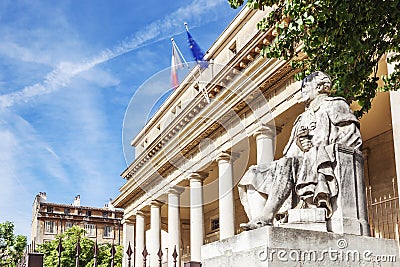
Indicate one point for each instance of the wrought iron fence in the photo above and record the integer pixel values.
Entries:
(31, 250)
(160, 254)
(383, 213)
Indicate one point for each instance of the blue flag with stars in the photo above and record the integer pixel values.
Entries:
(198, 54)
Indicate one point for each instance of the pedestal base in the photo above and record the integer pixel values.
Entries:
(307, 219)
(278, 246)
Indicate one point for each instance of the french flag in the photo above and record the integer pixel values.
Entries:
(176, 64)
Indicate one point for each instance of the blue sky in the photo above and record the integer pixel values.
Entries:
(68, 70)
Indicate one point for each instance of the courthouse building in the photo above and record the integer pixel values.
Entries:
(181, 189)
(50, 219)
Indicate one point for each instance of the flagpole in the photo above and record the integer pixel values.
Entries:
(180, 53)
(203, 90)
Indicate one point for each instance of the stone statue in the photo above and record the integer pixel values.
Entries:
(304, 176)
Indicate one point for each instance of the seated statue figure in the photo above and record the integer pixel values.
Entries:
(304, 176)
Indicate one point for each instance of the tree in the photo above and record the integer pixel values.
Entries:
(11, 247)
(343, 38)
(104, 258)
(69, 240)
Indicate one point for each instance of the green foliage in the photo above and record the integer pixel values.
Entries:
(11, 247)
(104, 258)
(69, 241)
(343, 38)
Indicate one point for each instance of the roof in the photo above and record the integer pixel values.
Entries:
(80, 207)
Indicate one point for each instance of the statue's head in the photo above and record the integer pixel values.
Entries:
(314, 84)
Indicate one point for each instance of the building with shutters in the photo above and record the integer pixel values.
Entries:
(50, 219)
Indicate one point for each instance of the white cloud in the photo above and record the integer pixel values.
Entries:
(158, 30)
(74, 147)
(23, 152)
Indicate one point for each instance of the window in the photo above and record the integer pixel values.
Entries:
(105, 214)
(88, 213)
(90, 229)
(49, 227)
(67, 211)
(50, 209)
(68, 225)
(214, 224)
(108, 231)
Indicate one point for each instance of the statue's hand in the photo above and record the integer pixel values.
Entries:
(303, 141)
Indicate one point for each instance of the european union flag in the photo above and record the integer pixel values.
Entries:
(198, 54)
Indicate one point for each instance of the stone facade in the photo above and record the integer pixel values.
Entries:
(254, 103)
(50, 219)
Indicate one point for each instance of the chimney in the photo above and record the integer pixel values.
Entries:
(77, 201)
(110, 205)
(42, 197)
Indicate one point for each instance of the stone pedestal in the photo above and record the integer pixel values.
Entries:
(278, 246)
(350, 205)
(307, 219)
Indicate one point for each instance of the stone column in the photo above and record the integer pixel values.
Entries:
(226, 200)
(174, 225)
(129, 235)
(196, 215)
(155, 232)
(265, 136)
(395, 110)
(140, 238)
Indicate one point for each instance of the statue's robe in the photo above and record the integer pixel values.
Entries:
(329, 121)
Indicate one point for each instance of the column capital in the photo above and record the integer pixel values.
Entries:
(175, 190)
(140, 213)
(266, 130)
(199, 176)
(128, 221)
(156, 203)
(227, 156)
